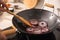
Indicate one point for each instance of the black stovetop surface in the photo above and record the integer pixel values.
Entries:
(23, 36)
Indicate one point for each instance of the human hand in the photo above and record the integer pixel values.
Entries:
(3, 6)
(2, 36)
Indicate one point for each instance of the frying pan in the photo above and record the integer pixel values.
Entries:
(39, 14)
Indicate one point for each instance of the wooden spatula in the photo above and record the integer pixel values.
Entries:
(17, 16)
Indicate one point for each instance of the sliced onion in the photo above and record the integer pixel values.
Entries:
(45, 30)
(42, 24)
(37, 32)
(33, 21)
(29, 29)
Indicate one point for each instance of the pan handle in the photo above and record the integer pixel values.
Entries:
(58, 24)
(49, 5)
(58, 19)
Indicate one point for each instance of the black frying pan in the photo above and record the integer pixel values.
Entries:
(39, 14)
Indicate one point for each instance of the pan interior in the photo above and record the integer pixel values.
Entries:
(39, 14)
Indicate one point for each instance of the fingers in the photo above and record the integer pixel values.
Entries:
(3, 6)
(2, 10)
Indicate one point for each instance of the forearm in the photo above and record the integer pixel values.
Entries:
(2, 36)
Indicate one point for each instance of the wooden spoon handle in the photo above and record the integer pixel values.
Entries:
(19, 17)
